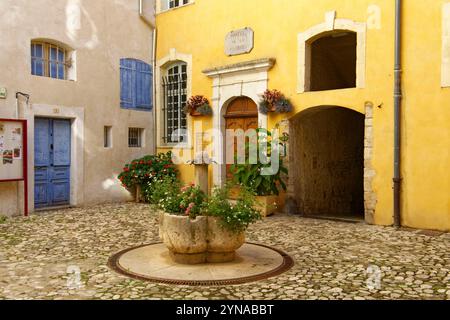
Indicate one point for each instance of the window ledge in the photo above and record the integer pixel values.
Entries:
(50, 78)
(136, 109)
(172, 9)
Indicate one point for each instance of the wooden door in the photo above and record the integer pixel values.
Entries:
(242, 114)
(52, 162)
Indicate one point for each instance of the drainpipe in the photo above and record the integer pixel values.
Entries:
(397, 114)
(155, 122)
(152, 25)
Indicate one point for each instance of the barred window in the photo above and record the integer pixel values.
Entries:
(177, 3)
(135, 137)
(49, 60)
(175, 98)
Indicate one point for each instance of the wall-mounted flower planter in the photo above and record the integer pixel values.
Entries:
(274, 101)
(198, 106)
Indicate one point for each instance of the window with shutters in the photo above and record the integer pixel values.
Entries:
(50, 60)
(136, 85)
(174, 100)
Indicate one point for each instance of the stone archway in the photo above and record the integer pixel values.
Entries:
(249, 79)
(327, 162)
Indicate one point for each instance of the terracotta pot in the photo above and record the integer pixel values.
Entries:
(196, 114)
(198, 241)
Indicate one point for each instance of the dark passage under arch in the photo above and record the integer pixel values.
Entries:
(327, 148)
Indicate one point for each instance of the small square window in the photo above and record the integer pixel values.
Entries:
(108, 137)
(135, 137)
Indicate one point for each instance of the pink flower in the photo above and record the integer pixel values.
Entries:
(191, 206)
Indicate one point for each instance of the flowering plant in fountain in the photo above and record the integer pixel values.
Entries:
(198, 106)
(274, 101)
(171, 197)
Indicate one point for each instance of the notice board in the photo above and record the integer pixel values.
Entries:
(12, 149)
(13, 153)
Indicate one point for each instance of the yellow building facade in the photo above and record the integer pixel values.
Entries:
(334, 61)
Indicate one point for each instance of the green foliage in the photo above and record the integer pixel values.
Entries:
(250, 175)
(172, 198)
(146, 171)
(205, 110)
(2, 219)
(235, 216)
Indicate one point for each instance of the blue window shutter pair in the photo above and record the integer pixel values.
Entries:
(136, 85)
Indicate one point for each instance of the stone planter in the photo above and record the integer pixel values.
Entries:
(222, 244)
(198, 241)
(267, 205)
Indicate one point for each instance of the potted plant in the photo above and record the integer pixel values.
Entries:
(198, 230)
(198, 106)
(274, 101)
(251, 175)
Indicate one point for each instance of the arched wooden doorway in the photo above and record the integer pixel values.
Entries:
(242, 113)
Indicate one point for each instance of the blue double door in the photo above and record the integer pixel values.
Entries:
(52, 162)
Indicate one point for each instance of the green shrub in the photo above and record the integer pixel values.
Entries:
(249, 175)
(145, 172)
(2, 219)
(234, 216)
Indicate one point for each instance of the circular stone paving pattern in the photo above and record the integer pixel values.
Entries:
(153, 263)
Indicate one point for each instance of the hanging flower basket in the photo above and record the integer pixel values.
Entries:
(274, 101)
(198, 106)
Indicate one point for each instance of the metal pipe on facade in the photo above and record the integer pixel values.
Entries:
(397, 113)
(155, 122)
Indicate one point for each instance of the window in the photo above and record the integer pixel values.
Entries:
(177, 3)
(135, 137)
(333, 61)
(107, 137)
(49, 60)
(175, 98)
(136, 85)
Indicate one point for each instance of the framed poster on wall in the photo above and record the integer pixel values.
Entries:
(13, 153)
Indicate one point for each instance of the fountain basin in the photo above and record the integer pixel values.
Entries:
(198, 241)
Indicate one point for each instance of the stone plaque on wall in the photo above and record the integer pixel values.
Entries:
(239, 42)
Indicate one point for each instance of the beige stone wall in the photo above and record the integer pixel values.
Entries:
(100, 32)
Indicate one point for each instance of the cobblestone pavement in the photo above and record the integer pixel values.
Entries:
(38, 254)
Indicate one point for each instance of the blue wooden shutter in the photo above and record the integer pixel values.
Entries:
(144, 77)
(127, 83)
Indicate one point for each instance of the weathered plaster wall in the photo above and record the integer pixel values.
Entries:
(101, 32)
